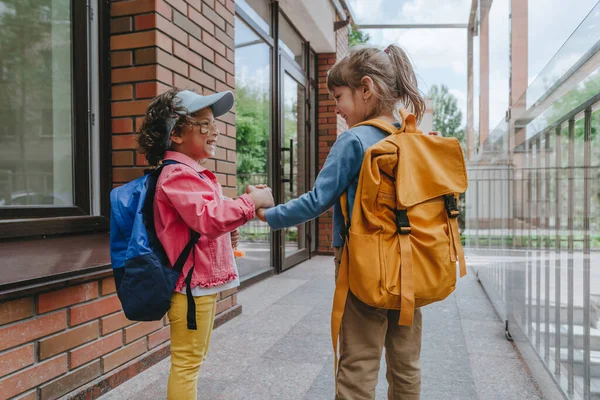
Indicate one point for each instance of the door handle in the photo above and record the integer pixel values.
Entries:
(290, 180)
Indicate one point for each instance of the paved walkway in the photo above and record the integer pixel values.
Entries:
(280, 347)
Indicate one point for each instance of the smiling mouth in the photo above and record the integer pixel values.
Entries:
(211, 142)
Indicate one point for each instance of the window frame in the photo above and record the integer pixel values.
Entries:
(32, 222)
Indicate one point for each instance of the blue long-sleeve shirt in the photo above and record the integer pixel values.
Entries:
(340, 173)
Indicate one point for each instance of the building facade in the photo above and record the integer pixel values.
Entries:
(77, 78)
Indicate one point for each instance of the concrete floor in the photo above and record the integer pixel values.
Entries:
(280, 347)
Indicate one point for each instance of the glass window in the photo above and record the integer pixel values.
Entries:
(253, 127)
(259, 11)
(290, 42)
(36, 134)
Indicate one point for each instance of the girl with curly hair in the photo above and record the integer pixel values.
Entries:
(180, 131)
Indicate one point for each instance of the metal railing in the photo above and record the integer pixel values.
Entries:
(533, 224)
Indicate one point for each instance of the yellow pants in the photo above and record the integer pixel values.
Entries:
(188, 347)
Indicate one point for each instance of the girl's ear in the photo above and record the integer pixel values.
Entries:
(177, 137)
(367, 87)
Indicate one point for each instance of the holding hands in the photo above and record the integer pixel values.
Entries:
(262, 197)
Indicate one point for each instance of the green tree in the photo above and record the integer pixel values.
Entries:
(358, 38)
(447, 117)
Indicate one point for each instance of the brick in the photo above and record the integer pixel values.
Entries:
(230, 80)
(122, 142)
(96, 349)
(172, 63)
(230, 192)
(140, 329)
(179, 5)
(133, 40)
(227, 142)
(113, 322)
(164, 42)
(231, 131)
(230, 55)
(133, 74)
(16, 310)
(224, 38)
(201, 49)
(27, 331)
(211, 15)
(224, 13)
(33, 376)
(201, 21)
(220, 154)
(213, 43)
(140, 159)
(127, 108)
(107, 286)
(186, 55)
(221, 178)
(145, 56)
(146, 90)
(94, 309)
(231, 180)
(67, 340)
(16, 359)
(228, 118)
(122, 158)
(127, 174)
(123, 125)
(227, 293)
(222, 87)
(202, 78)
(159, 337)
(164, 9)
(120, 58)
(183, 83)
(184, 23)
(131, 7)
(225, 64)
(28, 396)
(123, 355)
(144, 22)
(164, 75)
(230, 6)
(231, 156)
(122, 92)
(223, 305)
(213, 70)
(171, 30)
(120, 25)
(71, 381)
(225, 167)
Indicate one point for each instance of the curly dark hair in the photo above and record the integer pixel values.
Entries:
(154, 136)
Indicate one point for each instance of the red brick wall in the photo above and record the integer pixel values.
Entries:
(330, 126)
(55, 342)
(77, 338)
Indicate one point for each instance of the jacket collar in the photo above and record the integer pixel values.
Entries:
(183, 159)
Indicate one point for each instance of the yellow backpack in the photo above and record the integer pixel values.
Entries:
(402, 244)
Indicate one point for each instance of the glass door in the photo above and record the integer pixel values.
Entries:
(294, 166)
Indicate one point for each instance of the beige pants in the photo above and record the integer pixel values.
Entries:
(364, 332)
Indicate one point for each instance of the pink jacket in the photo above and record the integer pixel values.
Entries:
(188, 196)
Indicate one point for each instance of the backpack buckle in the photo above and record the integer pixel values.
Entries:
(451, 207)
(402, 222)
(345, 231)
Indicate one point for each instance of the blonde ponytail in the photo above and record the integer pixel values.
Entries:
(391, 71)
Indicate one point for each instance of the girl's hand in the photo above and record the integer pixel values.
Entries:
(251, 188)
(261, 214)
(434, 133)
(262, 198)
(235, 238)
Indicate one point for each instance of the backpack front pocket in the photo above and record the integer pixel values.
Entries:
(365, 269)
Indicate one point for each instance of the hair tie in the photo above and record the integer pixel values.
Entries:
(387, 50)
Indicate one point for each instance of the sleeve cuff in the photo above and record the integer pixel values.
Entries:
(273, 219)
(247, 206)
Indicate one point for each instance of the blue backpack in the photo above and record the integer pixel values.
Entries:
(143, 275)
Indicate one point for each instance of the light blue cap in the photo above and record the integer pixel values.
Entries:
(220, 103)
